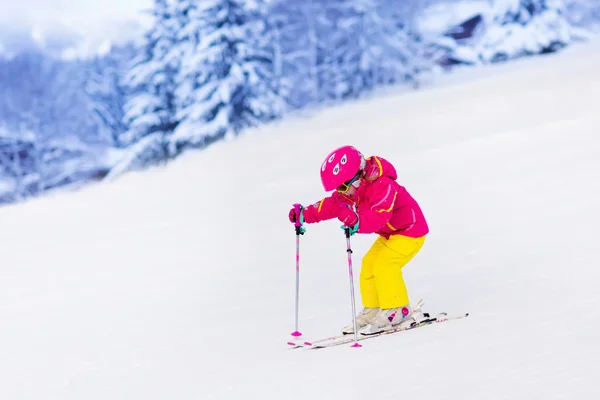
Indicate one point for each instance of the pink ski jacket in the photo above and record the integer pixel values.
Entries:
(383, 206)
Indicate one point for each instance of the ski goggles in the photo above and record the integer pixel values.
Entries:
(344, 187)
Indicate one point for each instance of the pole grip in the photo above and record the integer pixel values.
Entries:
(298, 224)
(297, 209)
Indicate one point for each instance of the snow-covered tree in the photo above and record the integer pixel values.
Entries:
(297, 44)
(27, 95)
(107, 93)
(367, 44)
(334, 49)
(49, 137)
(583, 14)
(227, 81)
(150, 110)
(17, 163)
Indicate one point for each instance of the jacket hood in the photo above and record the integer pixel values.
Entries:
(378, 167)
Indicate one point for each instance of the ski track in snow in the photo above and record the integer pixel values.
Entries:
(178, 283)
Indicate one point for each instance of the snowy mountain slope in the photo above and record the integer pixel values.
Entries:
(178, 283)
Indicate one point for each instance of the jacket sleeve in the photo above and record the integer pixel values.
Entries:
(325, 209)
(376, 216)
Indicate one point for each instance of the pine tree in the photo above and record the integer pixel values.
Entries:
(150, 110)
(227, 82)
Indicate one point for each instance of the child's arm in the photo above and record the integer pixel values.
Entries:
(325, 209)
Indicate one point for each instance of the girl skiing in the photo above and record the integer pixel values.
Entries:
(367, 199)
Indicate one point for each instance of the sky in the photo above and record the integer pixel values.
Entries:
(175, 283)
(80, 23)
(75, 13)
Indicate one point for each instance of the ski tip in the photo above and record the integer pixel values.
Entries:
(308, 344)
(291, 343)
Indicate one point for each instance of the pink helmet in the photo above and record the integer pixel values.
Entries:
(341, 165)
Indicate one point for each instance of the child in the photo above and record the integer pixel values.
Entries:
(367, 199)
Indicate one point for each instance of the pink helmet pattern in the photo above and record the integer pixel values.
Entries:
(341, 165)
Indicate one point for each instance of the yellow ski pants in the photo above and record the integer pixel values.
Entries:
(381, 281)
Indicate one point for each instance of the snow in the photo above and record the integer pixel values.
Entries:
(7, 185)
(178, 282)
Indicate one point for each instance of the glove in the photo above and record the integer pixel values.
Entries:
(348, 217)
(292, 216)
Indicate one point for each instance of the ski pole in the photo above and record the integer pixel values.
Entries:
(299, 231)
(349, 251)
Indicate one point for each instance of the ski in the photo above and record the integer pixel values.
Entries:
(296, 343)
(301, 343)
(347, 339)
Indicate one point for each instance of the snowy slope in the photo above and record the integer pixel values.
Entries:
(178, 283)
